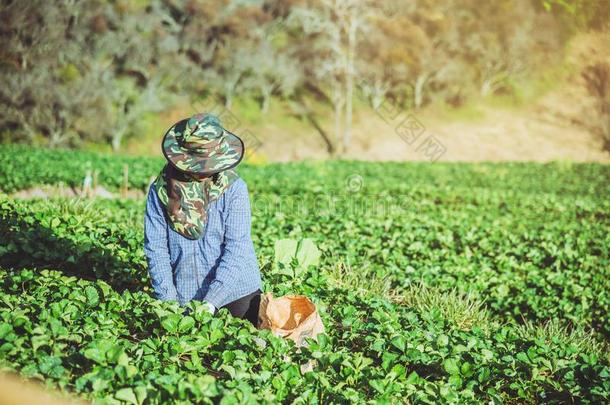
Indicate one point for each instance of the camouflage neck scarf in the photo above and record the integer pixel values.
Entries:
(186, 199)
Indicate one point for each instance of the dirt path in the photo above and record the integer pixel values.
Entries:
(531, 134)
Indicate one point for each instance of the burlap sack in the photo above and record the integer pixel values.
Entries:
(293, 317)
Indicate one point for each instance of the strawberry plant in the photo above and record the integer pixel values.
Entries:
(445, 282)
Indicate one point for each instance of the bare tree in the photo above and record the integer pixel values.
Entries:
(351, 17)
(597, 78)
(270, 73)
(335, 27)
(321, 67)
(131, 103)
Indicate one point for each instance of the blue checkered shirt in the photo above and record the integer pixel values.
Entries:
(220, 267)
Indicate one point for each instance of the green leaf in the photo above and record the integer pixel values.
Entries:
(451, 366)
(171, 322)
(522, 357)
(484, 374)
(141, 393)
(442, 340)
(503, 290)
(308, 253)
(399, 343)
(413, 378)
(228, 356)
(186, 324)
(40, 340)
(127, 395)
(30, 370)
(378, 385)
(456, 380)
(487, 354)
(98, 350)
(116, 354)
(46, 363)
(465, 368)
(92, 295)
(229, 369)
(285, 250)
(388, 359)
(5, 329)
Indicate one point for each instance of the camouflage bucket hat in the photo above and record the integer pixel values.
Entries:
(200, 145)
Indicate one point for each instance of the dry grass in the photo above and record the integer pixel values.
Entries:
(555, 332)
(463, 309)
(363, 281)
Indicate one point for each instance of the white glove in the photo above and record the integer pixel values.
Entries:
(211, 308)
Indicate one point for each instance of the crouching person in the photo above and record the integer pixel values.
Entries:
(197, 222)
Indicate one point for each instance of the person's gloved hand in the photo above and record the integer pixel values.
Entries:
(210, 307)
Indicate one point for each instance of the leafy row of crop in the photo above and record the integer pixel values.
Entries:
(401, 243)
(86, 338)
(22, 167)
(534, 257)
(75, 236)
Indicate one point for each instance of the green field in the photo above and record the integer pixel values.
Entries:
(437, 283)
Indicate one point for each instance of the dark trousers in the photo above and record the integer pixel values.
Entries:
(246, 307)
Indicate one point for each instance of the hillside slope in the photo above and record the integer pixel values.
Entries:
(557, 122)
